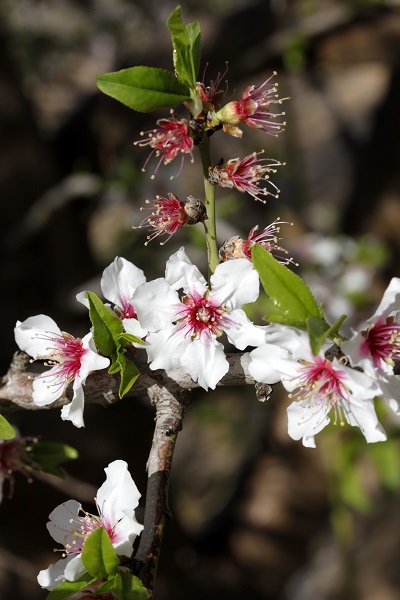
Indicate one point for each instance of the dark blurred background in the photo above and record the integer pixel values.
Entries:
(255, 514)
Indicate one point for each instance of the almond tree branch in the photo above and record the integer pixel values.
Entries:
(102, 388)
(170, 406)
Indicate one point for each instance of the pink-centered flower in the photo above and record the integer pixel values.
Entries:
(172, 138)
(320, 386)
(118, 283)
(71, 360)
(246, 175)
(184, 330)
(376, 349)
(253, 109)
(168, 215)
(70, 525)
(236, 247)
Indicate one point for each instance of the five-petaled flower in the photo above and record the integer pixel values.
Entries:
(71, 360)
(246, 174)
(172, 138)
(70, 525)
(236, 247)
(170, 214)
(253, 108)
(319, 386)
(377, 348)
(184, 331)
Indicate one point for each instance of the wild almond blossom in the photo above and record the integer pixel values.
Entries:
(172, 138)
(376, 349)
(320, 387)
(184, 330)
(245, 175)
(71, 360)
(70, 525)
(118, 283)
(236, 247)
(253, 109)
(168, 215)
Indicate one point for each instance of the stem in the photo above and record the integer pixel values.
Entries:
(170, 407)
(209, 223)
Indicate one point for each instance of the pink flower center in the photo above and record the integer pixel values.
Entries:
(64, 355)
(322, 386)
(81, 527)
(201, 317)
(127, 310)
(382, 342)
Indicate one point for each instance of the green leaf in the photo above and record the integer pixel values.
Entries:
(108, 585)
(319, 330)
(129, 587)
(144, 88)
(187, 50)
(127, 338)
(48, 455)
(106, 326)
(98, 554)
(68, 588)
(194, 35)
(288, 292)
(6, 430)
(129, 374)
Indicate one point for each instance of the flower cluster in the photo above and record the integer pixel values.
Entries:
(344, 382)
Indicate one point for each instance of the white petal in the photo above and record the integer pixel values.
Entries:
(91, 360)
(127, 530)
(83, 299)
(54, 575)
(154, 302)
(60, 524)
(305, 421)
(119, 281)
(47, 388)
(26, 334)
(242, 332)
(133, 327)
(74, 411)
(390, 387)
(269, 362)
(362, 414)
(180, 272)
(74, 569)
(165, 348)
(390, 300)
(235, 282)
(290, 338)
(205, 363)
(118, 493)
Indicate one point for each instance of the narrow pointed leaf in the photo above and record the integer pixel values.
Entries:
(106, 326)
(98, 554)
(319, 331)
(144, 88)
(129, 374)
(6, 430)
(69, 588)
(186, 42)
(288, 292)
(128, 338)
